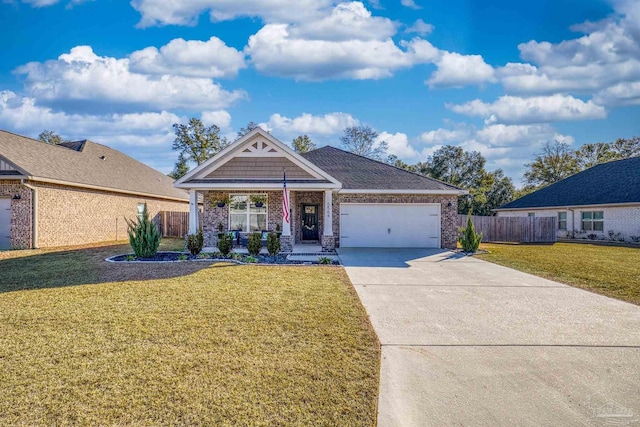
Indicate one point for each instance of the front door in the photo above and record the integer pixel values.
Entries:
(309, 222)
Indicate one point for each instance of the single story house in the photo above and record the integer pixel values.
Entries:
(602, 202)
(335, 198)
(74, 193)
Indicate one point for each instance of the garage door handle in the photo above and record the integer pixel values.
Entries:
(388, 231)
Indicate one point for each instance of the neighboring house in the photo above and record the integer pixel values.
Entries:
(74, 193)
(336, 198)
(602, 202)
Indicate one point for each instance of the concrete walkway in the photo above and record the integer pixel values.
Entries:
(469, 343)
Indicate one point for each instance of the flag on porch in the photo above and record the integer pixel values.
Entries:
(285, 200)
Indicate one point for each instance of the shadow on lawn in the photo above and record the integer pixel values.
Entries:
(40, 269)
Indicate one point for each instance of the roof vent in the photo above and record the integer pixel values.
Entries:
(103, 157)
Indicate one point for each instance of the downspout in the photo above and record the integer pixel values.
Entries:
(34, 213)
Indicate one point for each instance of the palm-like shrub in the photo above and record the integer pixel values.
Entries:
(144, 236)
(469, 239)
(254, 244)
(195, 242)
(273, 244)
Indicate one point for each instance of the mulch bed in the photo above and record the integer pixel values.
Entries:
(240, 258)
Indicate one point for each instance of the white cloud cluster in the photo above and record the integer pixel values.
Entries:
(326, 124)
(81, 75)
(456, 70)
(398, 145)
(420, 27)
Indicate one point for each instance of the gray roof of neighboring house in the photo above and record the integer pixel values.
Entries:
(608, 183)
(86, 163)
(358, 172)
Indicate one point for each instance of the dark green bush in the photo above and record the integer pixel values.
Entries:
(225, 244)
(273, 244)
(144, 236)
(469, 239)
(195, 242)
(254, 244)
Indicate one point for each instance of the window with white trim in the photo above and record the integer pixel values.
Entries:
(562, 220)
(140, 211)
(244, 215)
(532, 215)
(593, 221)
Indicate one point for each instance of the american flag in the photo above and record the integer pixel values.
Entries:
(285, 200)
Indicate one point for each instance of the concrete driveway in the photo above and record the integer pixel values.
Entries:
(469, 343)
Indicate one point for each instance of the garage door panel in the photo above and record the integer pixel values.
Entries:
(390, 225)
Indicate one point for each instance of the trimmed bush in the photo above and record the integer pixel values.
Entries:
(195, 242)
(144, 236)
(469, 239)
(225, 244)
(254, 244)
(273, 244)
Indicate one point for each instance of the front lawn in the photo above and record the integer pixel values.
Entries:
(85, 343)
(608, 270)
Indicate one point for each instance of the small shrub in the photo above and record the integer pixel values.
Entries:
(635, 239)
(144, 236)
(195, 242)
(183, 257)
(225, 244)
(469, 239)
(254, 244)
(273, 244)
(237, 257)
(203, 255)
(251, 259)
(324, 260)
(131, 257)
(592, 236)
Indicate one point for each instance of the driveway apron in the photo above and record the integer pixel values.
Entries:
(470, 343)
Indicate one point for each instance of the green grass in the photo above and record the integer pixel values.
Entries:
(181, 344)
(608, 270)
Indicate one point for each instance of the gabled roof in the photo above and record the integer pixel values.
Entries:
(85, 164)
(616, 182)
(360, 173)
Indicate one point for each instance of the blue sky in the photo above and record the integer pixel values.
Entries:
(500, 77)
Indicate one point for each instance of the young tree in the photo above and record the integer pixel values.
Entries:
(180, 169)
(245, 130)
(556, 161)
(50, 137)
(196, 143)
(303, 144)
(362, 140)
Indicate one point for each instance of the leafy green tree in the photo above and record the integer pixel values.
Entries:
(554, 162)
(590, 155)
(626, 148)
(50, 137)
(195, 143)
(362, 140)
(393, 160)
(303, 144)
(245, 130)
(454, 165)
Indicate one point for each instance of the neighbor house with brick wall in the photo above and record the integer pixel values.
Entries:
(336, 198)
(599, 203)
(74, 193)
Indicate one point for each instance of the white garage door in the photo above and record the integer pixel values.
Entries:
(389, 225)
(5, 224)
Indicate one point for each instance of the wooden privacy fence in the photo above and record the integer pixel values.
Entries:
(513, 229)
(174, 224)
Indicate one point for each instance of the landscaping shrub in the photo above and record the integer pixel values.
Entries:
(273, 244)
(225, 244)
(324, 260)
(254, 244)
(469, 239)
(144, 236)
(195, 242)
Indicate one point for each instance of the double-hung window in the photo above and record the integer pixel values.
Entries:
(244, 215)
(593, 221)
(562, 220)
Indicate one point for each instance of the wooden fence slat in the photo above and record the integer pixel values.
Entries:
(513, 229)
(174, 224)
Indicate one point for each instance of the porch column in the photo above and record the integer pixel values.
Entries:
(193, 211)
(328, 241)
(286, 239)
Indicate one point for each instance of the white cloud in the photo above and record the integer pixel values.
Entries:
(44, 3)
(327, 124)
(81, 75)
(420, 27)
(456, 70)
(516, 110)
(186, 12)
(212, 58)
(220, 118)
(398, 145)
(410, 4)
(443, 136)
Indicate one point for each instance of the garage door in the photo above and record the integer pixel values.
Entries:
(5, 224)
(389, 225)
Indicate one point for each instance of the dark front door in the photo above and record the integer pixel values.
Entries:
(309, 222)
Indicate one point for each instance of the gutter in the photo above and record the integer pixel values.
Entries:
(34, 213)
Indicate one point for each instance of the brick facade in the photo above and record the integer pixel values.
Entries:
(73, 216)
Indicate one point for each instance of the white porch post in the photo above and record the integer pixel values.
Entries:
(328, 213)
(193, 211)
(286, 226)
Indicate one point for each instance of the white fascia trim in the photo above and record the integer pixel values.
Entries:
(108, 189)
(551, 208)
(447, 192)
(258, 186)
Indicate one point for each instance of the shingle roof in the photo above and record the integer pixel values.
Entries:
(607, 183)
(86, 163)
(357, 172)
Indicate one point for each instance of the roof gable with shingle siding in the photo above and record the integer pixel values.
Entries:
(616, 182)
(87, 164)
